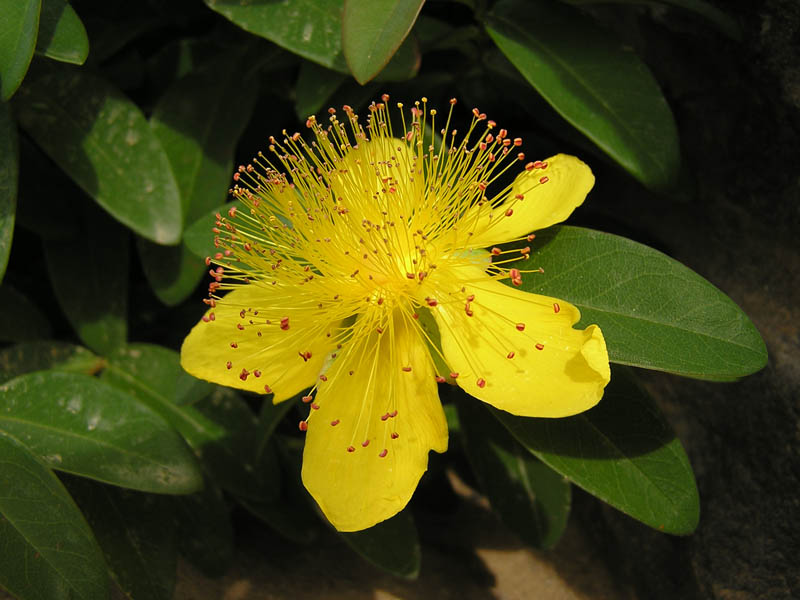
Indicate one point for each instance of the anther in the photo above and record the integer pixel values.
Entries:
(303, 426)
(323, 377)
(481, 382)
(556, 307)
(365, 443)
(510, 354)
(229, 365)
(234, 345)
(544, 179)
(440, 379)
(539, 346)
(383, 453)
(267, 389)
(395, 435)
(496, 251)
(453, 375)
(307, 399)
(520, 326)
(509, 212)
(531, 237)
(315, 406)
(407, 369)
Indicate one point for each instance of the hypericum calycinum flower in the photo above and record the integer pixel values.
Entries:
(337, 268)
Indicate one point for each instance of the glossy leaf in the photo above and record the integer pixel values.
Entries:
(198, 121)
(20, 320)
(42, 355)
(79, 425)
(62, 35)
(18, 29)
(532, 500)
(315, 85)
(372, 31)
(9, 177)
(654, 312)
(48, 551)
(310, 28)
(392, 545)
(205, 531)
(136, 532)
(219, 428)
(103, 142)
(721, 20)
(599, 86)
(94, 298)
(622, 451)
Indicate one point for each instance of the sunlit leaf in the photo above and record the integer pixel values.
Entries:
(18, 29)
(62, 35)
(48, 551)
(654, 312)
(598, 85)
(9, 176)
(372, 31)
(101, 139)
(79, 425)
(622, 451)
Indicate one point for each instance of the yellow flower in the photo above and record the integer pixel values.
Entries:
(329, 272)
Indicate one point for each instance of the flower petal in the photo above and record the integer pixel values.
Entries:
(240, 349)
(378, 416)
(519, 352)
(550, 194)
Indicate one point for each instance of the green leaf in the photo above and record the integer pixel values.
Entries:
(97, 307)
(622, 451)
(62, 35)
(103, 142)
(198, 236)
(20, 320)
(315, 85)
(28, 357)
(372, 31)
(219, 427)
(136, 532)
(48, 550)
(532, 500)
(392, 545)
(82, 426)
(654, 312)
(198, 121)
(598, 85)
(9, 177)
(720, 19)
(310, 28)
(18, 29)
(205, 532)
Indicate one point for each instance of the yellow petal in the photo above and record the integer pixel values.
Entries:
(519, 352)
(549, 195)
(378, 416)
(239, 349)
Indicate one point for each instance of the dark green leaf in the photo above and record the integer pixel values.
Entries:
(723, 21)
(95, 297)
(62, 35)
(372, 31)
(220, 428)
(18, 29)
(42, 355)
(103, 142)
(48, 551)
(205, 532)
(531, 499)
(623, 452)
(315, 85)
(654, 312)
(136, 532)
(79, 425)
(9, 176)
(392, 545)
(310, 28)
(20, 320)
(198, 121)
(599, 86)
